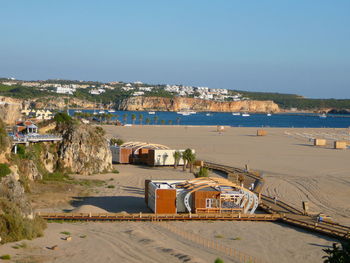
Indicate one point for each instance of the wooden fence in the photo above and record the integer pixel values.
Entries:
(230, 252)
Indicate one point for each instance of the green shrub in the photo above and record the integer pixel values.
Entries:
(218, 260)
(203, 172)
(65, 233)
(62, 118)
(4, 170)
(115, 171)
(111, 186)
(83, 236)
(56, 176)
(5, 257)
(21, 151)
(14, 226)
(219, 236)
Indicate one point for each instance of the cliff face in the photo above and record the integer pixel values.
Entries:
(10, 109)
(179, 104)
(60, 103)
(84, 150)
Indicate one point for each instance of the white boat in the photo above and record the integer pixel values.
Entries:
(151, 112)
(323, 115)
(236, 113)
(208, 114)
(101, 112)
(78, 111)
(111, 111)
(245, 114)
(269, 114)
(184, 113)
(192, 112)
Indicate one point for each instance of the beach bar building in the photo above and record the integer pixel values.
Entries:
(144, 153)
(200, 195)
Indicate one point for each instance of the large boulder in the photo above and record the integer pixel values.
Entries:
(84, 150)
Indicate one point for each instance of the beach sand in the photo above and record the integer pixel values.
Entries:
(294, 171)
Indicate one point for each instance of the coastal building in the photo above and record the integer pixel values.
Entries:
(200, 195)
(66, 89)
(97, 91)
(144, 153)
(25, 128)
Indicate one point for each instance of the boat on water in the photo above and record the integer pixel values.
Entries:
(151, 112)
(101, 112)
(78, 111)
(269, 114)
(208, 114)
(245, 114)
(323, 115)
(184, 113)
(236, 113)
(111, 111)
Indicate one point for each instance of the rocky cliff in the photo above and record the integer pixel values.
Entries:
(10, 109)
(179, 104)
(60, 103)
(84, 150)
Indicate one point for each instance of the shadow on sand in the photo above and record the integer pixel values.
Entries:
(114, 204)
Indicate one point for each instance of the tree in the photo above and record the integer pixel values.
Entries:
(125, 117)
(190, 157)
(109, 117)
(184, 158)
(133, 118)
(140, 118)
(162, 122)
(155, 119)
(148, 121)
(338, 254)
(218, 260)
(177, 157)
(170, 122)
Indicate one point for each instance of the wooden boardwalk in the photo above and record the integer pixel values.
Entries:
(288, 213)
(141, 217)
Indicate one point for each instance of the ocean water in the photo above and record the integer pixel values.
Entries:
(227, 119)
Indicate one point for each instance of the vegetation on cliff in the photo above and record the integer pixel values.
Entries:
(287, 101)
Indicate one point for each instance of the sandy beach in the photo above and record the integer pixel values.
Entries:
(294, 170)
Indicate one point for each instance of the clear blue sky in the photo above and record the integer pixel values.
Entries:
(295, 46)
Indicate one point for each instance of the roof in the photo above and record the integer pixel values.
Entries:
(140, 145)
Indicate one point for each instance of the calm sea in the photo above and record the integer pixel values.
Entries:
(227, 119)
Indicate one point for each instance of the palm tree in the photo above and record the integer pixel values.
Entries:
(190, 157)
(140, 118)
(162, 122)
(184, 158)
(125, 117)
(109, 117)
(148, 121)
(170, 122)
(133, 118)
(178, 120)
(177, 157)
(155, 119)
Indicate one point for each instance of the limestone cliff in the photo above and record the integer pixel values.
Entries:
(60, 103)
(10, 109)
(180, 103)
(84, 150)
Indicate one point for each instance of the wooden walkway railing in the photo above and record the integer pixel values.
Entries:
(289, 214)
(140, 217)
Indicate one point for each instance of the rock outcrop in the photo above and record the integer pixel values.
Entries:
(10, 109)
(13, 191)
(179, 104)
(84, 150)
